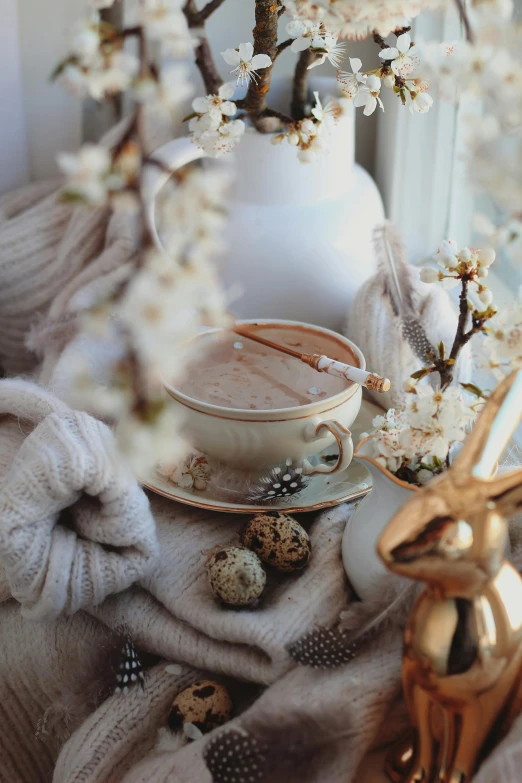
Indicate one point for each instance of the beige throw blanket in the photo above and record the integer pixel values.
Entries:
(76, 531)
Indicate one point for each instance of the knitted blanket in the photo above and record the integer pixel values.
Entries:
(82, 548)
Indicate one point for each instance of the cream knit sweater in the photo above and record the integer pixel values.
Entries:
(76, 532)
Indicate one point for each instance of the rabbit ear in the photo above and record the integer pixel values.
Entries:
(492, 430)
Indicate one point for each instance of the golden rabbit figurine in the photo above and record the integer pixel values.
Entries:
(462, 657)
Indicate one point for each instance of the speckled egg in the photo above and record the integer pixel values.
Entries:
(205, 703)
(279, 541)
(236, 576)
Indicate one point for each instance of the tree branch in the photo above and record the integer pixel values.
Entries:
(282, 46)
(278, 114)
(197, 18)
(300, 86)
(462, 337)
(461, 7)
(203, 59)
(265, 42)
(207, 67)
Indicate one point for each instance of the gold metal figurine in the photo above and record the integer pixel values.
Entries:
(462, 657)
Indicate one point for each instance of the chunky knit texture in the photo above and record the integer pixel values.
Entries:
(175, 615)
(54, 563)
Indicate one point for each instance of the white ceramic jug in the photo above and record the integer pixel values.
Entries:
(366, 572)
(300, 235)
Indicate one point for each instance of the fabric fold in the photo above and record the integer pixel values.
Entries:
(174, 614)
(60, 562)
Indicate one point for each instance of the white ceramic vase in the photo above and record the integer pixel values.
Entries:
(300, 235)
(365, 570)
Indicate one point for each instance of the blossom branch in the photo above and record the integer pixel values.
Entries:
(265, 42)
(447, 369)
(467, 266)
(282, 46)
(300, 86)
(277, 114)
(197, 18)
(205, 62)
(203, 54)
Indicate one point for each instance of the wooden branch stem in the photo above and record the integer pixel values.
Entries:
(204, 60)
(198, 18)
(300, 86)
(265, 42)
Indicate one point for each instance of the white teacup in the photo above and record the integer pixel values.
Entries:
(255, 439)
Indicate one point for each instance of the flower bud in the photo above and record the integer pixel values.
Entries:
(485, 296)
(389, 81)
(428, 275)
(486, 256)
(293, 139)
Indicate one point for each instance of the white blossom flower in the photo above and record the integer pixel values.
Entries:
(212, 129)
(403, 57)
(224, 139)
(369, 95)
(428, 275)
(115, 75)
(504, 339)
(143, 443)
(87, 173)
(302, 31)
(351, 83)
(161, 18)
(193, 472)
(421, 102)
(327, 115)
(75, 80)
(246, 63)
(217, 105)
(326, 47)
(485, 296)
(416, 440)
(468, 263)
(447, 254)
(171, 89)
(85, 42)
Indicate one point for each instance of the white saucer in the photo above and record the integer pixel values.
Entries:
(321, 491)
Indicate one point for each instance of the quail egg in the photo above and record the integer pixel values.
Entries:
(205, 704)
(278, 540)
(236, 576)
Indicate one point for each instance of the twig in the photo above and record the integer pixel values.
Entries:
(197, 18)
(461, 7)
(300, 86)
(282, 46)
(278, 114)
(203, 59)
(207, 67)
(265, 42)
(447, 367)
